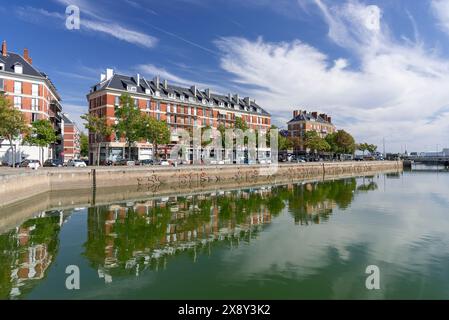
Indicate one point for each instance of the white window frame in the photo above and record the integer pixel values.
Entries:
(34, 104)
(17, 85)
(18, 69)
(18, 102)
(35, 90)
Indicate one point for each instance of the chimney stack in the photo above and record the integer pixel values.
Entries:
(315, 115)
(193, 88)
(296, 113)
(26, 56)
(157, 82)
(237, 98)
(247, 101)
(165, 84)
(208, 93)
(102, 77)
(4, 49)
(329, 119)
(138, 80)
(109, 73)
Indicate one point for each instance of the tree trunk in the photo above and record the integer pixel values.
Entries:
(13, 155)
(98, 153)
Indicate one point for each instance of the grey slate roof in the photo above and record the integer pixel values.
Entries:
(307, 116)
(120, 82)
(12, 59)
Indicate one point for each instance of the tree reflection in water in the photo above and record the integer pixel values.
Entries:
(128, 238)
(26, 252)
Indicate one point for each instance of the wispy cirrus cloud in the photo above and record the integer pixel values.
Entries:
(397, 90)
(92, 24)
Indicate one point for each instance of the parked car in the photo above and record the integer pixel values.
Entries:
(164, 162)
(146, 162)
(76, 163)
(53, 163)
(29, 163)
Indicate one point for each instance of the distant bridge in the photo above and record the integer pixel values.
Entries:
(440, 160)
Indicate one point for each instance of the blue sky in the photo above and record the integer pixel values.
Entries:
(379, 68)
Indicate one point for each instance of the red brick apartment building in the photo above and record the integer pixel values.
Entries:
(180, 107)
(72, 143)
(32, 92)
(304, 121)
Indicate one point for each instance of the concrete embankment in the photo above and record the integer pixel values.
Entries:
(20, 184)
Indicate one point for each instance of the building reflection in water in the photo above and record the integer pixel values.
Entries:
(26, 252)
(128, 238)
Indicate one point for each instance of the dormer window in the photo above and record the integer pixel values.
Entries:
(221, 104)
(171, 95)
(147, 91)
(18, 68)
(191, 99)
(204, 101)
(182, 98)
(157, 93)
(131, 88)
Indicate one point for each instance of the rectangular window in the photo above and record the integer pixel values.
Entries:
(168, 108)
(18, 102)
(35, 90)
(158, 106)
(174, 108)
(117, 101)
(34, 117)
(34, 105)
(136, 102)
(18, 87)
(148, 104)
(158, 116)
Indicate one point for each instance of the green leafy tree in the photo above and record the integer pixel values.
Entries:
(99, 127)
(341, 142)
(42, 135)
(12, 124)
(345, 142)
(129, 121)
(84, 143)
(371, 148)
(363, 147)
(241, 124)
(315, 143)
(154, 131)
(205, 142)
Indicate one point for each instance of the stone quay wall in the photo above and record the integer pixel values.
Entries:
(21, 184)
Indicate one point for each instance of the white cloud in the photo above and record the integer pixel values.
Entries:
(440, 9)
(120, 32)
(398, 90)
(93, 24)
